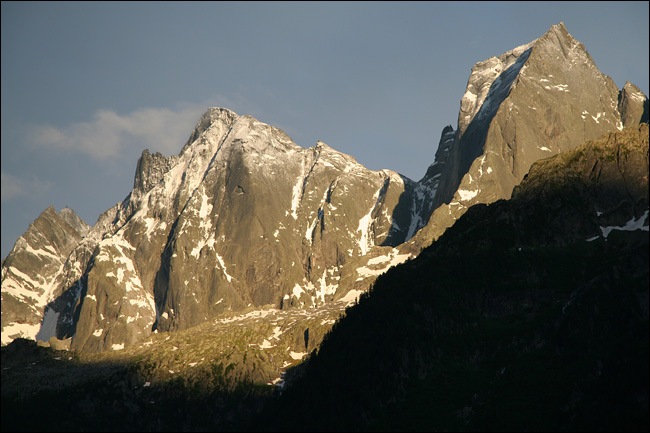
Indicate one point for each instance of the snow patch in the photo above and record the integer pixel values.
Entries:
(259, 314)
(16, 330)
(351, 297)
(48, 325)
(295, 195)
(266, 344)
(297, 291)
(364, 225)
(392, 259)
(559, 87)
(297, 355)
(223, 268)
(631, 225)
(325, 289)
(467, 195)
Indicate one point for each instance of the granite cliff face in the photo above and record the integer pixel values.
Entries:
(535, 101)
(35, 269)
(633, 105)
(243, 218)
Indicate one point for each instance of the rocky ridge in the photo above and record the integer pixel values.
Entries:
(35, 268)
(528, 313)
(241, 217)
(530, 103)
(244, 218)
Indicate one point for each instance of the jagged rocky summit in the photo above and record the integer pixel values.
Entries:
(530, 103)
(244, 218)
(35, 267)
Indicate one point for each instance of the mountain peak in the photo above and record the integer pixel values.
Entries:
(558, 39)
(558, 28)
(150, 169)
(75, 221)
(486, 78)
(212, 116)
(534, 101)
(633, 105)
(556, 33)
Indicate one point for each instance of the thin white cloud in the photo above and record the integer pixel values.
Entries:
(15, 187)
(109, 133)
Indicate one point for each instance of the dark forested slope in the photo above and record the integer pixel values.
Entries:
(527, 314)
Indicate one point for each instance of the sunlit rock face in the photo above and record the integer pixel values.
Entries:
(633, 105)
(244, 218)
(241, 218)
(532, 102)
(34, 271)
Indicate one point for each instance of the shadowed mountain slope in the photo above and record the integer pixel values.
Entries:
(527, 314)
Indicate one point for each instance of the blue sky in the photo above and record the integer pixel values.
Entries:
(87, 86)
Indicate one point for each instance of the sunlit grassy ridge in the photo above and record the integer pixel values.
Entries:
(215, 375)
